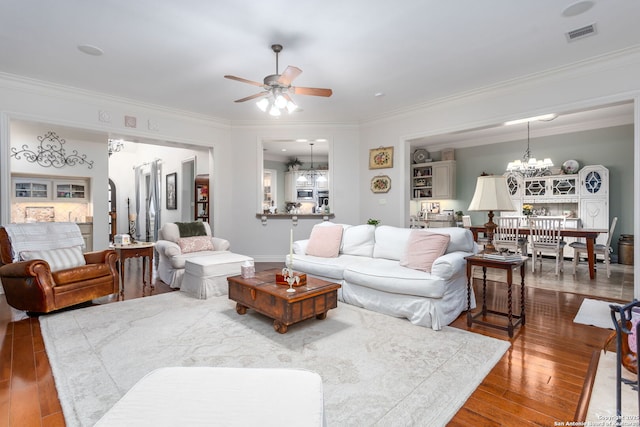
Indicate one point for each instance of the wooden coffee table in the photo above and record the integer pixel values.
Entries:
(265, 296)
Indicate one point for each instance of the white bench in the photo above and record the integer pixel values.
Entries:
(206, 276)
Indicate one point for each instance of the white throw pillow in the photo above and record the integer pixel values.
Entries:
(423, 248)
(325, 241)
(195, 244)
(58, 259)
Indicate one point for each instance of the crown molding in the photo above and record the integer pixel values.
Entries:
(40, 87)
(577, 68)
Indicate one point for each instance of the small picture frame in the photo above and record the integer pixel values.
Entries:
(381, 158)
(171, 190)
(380, 184)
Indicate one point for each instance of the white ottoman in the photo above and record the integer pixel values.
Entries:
(206, 276)
(203, 396)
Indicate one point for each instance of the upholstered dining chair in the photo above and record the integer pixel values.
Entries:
(546, 237)
(599, 249)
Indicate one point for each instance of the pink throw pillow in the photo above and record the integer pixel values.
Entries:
(195, 244)
(325, 241)
(423, 248)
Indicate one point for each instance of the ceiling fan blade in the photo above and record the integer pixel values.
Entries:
(257, 95)
(313, 91)
(288, 75)
(240, 79)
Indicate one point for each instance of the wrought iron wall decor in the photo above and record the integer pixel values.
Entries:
(51, 153)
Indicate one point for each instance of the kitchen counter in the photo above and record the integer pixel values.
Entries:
(323, 216)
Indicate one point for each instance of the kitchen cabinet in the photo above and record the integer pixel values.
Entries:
(31, 189)
(433, 180)
(27, 189)
(86, 228)
(291, 183)
(202, 198)
(76, 191)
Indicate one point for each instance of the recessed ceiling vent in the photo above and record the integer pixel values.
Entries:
(580, 33)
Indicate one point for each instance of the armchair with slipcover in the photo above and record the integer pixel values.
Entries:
(179, 241)
(43, 269)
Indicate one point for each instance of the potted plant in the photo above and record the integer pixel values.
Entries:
(293, 164)
(372, 221)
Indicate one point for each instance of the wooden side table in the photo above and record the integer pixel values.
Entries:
(135, 250)
(509, 266)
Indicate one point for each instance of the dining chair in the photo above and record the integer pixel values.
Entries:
(545, 233)
(599, 249)
(507, 235)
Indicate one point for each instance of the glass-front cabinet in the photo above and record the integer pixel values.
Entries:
(70, 190)
(28, 189)
(31, 189)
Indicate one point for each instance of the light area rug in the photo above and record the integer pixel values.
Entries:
(376, 369)
(596, 313)
(602, 405)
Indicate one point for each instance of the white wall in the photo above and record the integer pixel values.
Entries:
(589, 85)
(235, 182)
(271, 241)
(86, 144)
(121, 171)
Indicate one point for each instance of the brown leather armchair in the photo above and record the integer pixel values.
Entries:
(31, 286)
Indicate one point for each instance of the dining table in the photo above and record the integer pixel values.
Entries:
(589, 234)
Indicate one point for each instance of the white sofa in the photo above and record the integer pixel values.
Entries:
(171, 260)
(368, 268)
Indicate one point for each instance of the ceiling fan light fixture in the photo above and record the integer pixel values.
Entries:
(274, 111)
(281, 101)
(263, 104)
(291, 107)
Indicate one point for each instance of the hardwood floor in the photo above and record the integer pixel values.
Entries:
(537, 382)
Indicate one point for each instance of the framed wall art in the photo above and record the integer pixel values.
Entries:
(380, 184)
(172, 195)
(381, 158)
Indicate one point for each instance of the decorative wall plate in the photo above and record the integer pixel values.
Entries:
(421, 156)
(570, 167)
(380, 184)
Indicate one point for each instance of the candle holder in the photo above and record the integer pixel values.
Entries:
(290, 278)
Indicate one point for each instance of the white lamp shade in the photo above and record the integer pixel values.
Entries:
(492, 194)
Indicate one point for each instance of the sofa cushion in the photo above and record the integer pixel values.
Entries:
(332, 268)
(358, 240)
(423, 248)
(391, 242)
(195, 244)
(80, 274)
(388, 276)
(461, 239)
(325, 241)
(58, 259)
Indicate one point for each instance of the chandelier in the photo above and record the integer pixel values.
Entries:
(529, 166)
(115, 145)
(311, 174)
(277, 102)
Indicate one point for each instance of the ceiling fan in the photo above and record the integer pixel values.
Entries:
(277, 89)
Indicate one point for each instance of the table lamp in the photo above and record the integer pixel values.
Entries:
(491, 195)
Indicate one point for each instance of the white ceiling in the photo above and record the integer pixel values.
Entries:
(175, 53)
